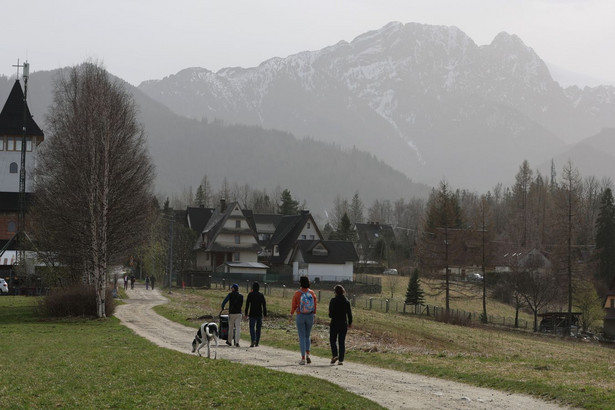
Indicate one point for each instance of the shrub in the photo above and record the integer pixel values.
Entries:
(77, 300)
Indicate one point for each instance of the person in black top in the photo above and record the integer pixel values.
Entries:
(235, 300)
(341, 319)
(256, 308)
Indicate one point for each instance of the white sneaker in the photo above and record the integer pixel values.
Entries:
(302, 361)
(308, 360)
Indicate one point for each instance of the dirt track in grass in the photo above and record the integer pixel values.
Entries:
(389, 388)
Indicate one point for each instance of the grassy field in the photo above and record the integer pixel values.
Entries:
(81, 363)
(569, 371)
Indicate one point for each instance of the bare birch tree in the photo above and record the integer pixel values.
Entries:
(94, 176)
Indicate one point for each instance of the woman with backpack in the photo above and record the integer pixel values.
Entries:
(341, 319)
(304, 305)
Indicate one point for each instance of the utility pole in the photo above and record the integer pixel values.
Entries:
(22, 171)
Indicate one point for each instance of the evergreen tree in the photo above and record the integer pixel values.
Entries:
(199, 198)
(344, 231)
(288, 206)
(356, 209)
(605, 237)
(414, 294)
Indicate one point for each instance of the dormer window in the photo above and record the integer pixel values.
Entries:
(238, 223)
(237, 238)
(308, 225)
(320, 250)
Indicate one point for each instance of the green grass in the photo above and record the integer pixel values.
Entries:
(84, 363)
(566, 370)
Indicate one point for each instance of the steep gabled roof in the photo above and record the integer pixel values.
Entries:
(287, 232)
(214, 227)
(371, 231)
(337, 252)
(12, 115)
(197, 217)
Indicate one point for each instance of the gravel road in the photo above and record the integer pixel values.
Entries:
(389, 388)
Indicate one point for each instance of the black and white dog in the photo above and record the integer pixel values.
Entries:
(207, 333)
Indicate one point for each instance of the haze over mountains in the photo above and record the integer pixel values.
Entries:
(426, 101)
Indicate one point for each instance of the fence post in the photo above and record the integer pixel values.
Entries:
(387, 306)
(404, 308)
(319, 298)
(370, 303)
(283, 291)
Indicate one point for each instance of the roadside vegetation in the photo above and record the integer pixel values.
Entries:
(570, 371)
(85, 363)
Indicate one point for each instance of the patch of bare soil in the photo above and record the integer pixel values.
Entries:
(389, 388)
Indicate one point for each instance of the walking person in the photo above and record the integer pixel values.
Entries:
(256, 308)
(146, 282)
(152, 280)
(125, 282)
(304, 305)
(235, 300)
(132, 281)
(341, 320)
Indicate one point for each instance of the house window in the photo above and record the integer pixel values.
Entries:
(276, 250)
(308, 225)
(1, 143)
(236, 257)
(303, 237)
(238, 224)
(13, 168)
(12, 227)
(312, 237)
(237, 238)
(10, 144)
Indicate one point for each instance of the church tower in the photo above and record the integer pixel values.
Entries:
(14, 116)
(16, 125)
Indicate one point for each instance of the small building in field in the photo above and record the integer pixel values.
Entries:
(320, 260)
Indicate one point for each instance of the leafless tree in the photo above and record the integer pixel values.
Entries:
(93, 176)
(538, 286)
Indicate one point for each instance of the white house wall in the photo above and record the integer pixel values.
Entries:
(326, 272)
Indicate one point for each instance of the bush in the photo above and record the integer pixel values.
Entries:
(77, 300)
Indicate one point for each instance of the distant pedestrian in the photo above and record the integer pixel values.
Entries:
(304, 305)
(152, 280)
(340, 313)
(132, 281)
(235, 300)
(125, 282)
(146, 282)
(256, 308)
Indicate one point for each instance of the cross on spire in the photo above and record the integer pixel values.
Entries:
(18, 67)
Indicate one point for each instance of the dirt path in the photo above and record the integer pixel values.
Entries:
(389, 388)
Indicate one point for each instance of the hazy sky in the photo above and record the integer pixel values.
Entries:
(139, 40)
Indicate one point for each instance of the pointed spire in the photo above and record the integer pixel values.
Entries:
(12, 115)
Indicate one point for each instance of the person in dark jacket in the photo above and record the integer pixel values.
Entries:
(235, 300)
(341, 320)
(256, 308)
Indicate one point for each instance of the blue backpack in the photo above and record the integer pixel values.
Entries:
(306, 303)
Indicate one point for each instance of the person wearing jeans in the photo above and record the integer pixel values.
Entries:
(256, 308)
(305, 318)
(341, 319)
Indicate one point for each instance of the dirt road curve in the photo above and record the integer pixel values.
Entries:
(391, 389)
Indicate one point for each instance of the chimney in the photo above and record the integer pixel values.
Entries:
(222, 204)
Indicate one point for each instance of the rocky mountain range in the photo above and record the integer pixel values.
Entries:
(424, 99)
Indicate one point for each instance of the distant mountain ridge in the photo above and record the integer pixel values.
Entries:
(184, 150)
(425, 99)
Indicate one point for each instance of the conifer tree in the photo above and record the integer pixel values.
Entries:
(414, 294)
(605, 237)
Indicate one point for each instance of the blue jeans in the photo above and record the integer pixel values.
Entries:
(304, 328)
(256, 323)
(338, 334)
